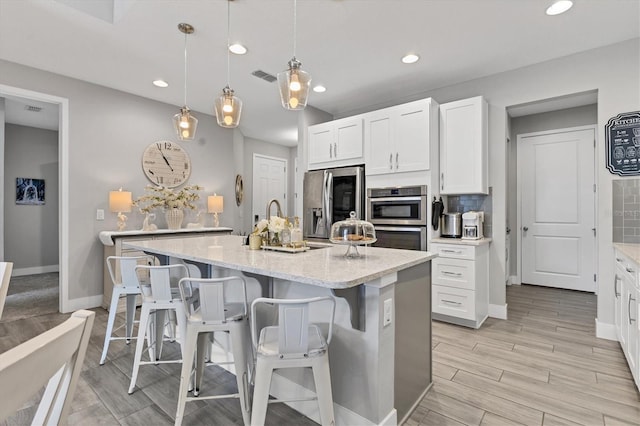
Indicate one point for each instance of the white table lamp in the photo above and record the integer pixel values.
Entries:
(120, 202)
(215, 205)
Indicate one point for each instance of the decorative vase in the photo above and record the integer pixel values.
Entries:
(174, 218)
(274, 238)
(255, 241)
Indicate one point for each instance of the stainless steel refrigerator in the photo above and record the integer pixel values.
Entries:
(329, 196)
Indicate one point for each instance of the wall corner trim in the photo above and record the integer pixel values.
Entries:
(498, 311)
(605, 330)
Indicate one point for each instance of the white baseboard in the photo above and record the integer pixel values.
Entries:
(83, 303)
(605, 330)
(498, 311)
(19, 272)
(514, 280)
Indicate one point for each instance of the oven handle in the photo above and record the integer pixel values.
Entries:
(398, 228)
(418, 198)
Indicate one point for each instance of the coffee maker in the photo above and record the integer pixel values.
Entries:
(472, 225)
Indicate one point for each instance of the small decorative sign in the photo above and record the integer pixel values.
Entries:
(622, 134)
(29, 191)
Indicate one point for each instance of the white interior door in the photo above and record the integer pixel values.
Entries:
(269, 182)
(556, 180)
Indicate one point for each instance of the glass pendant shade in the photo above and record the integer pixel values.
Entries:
(185, 124)
(228, 109)
(294, 86)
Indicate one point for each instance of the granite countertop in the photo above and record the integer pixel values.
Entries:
(106, 237)
(461, 242)
(632, 251)
(324, 267)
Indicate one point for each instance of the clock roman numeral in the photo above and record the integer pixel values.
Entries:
(160, 179)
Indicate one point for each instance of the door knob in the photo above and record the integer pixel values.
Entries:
(525, 229)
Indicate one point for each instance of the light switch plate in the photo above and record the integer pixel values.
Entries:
(99, 214)
(388, 312)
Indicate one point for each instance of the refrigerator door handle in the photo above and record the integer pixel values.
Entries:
(328, 201)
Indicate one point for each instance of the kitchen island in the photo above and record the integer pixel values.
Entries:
(380, 355)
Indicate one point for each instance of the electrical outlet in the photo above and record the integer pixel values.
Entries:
(99, 214)
(387, 312)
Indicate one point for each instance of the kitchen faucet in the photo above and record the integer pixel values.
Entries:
(278, 208)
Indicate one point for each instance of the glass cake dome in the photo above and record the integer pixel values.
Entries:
(352, 232)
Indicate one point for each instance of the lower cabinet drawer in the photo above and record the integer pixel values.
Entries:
(452, 301)
(453, 272)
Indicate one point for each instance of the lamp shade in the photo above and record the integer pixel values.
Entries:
(215, 203)
(185, 124)
(228, 109)
(120, 201)
(294, 86)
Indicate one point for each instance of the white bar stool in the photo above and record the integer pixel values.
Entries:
(293, 343)
(127, 286)
(157, 299)
(208, 312)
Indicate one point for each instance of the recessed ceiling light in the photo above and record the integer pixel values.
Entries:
(238, 49)
(160, 83)
(559, 7)
(410, 58)
(319, 89)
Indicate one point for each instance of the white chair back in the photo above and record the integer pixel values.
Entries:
(207, 295)
(293, 323)
(160, 279)
(5, 277)
(127, 264)
(56, 357)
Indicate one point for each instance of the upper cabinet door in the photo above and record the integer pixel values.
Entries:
(320, 143)
(348, 138)
(412, 137)
(378, 142)
(464, 147)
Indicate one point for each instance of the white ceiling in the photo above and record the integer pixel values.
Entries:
(353, 47)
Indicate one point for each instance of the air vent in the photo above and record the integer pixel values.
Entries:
(264, 75)
(32, 108)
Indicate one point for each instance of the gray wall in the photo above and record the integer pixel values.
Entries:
(570, 117)
(626, 211)
(1, 177)
(31, 231)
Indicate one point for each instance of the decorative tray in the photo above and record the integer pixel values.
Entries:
(285, 249)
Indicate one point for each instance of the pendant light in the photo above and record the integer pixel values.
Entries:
(294, 83)
(184, 122)
(228, 107)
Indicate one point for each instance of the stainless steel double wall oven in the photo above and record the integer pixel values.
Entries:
(399, 215)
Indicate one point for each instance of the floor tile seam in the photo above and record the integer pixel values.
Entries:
(607, 394)
(103, 402)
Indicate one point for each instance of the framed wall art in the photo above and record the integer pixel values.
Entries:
(29, 191)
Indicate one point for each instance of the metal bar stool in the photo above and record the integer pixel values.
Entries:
(157, 299)
(208, 311)
(128, 287)
(293, 343)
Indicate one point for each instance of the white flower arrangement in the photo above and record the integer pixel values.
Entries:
(167, 198)
(275, 224)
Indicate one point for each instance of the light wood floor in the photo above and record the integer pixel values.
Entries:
(541, 367)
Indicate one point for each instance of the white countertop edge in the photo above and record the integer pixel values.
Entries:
(106, 237)
(460, 241)
(630, 250)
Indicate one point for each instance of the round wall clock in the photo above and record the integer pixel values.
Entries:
(239, 190)
(166, 163)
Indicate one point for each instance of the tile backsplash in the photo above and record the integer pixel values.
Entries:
(465, 203)
(626, 211)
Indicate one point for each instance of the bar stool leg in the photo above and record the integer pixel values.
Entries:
(264, 370)
(159, 333)
(142, 329)
(239, 349)
(185, 375)
(115, 296)
(131, 313)
(322, 379)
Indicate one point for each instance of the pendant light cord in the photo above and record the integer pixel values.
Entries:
(228, 37)
(295, 18)
(185, 69)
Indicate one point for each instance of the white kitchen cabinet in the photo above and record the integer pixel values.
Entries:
(398, 138)
(464, 147)
(627, 309)
(336, 143)
(460, 283)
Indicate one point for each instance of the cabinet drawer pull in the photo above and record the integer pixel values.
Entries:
(629, 269)
(455, 274)
(451, 302)
(631, 320)
(451, 251)
(615, 286)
